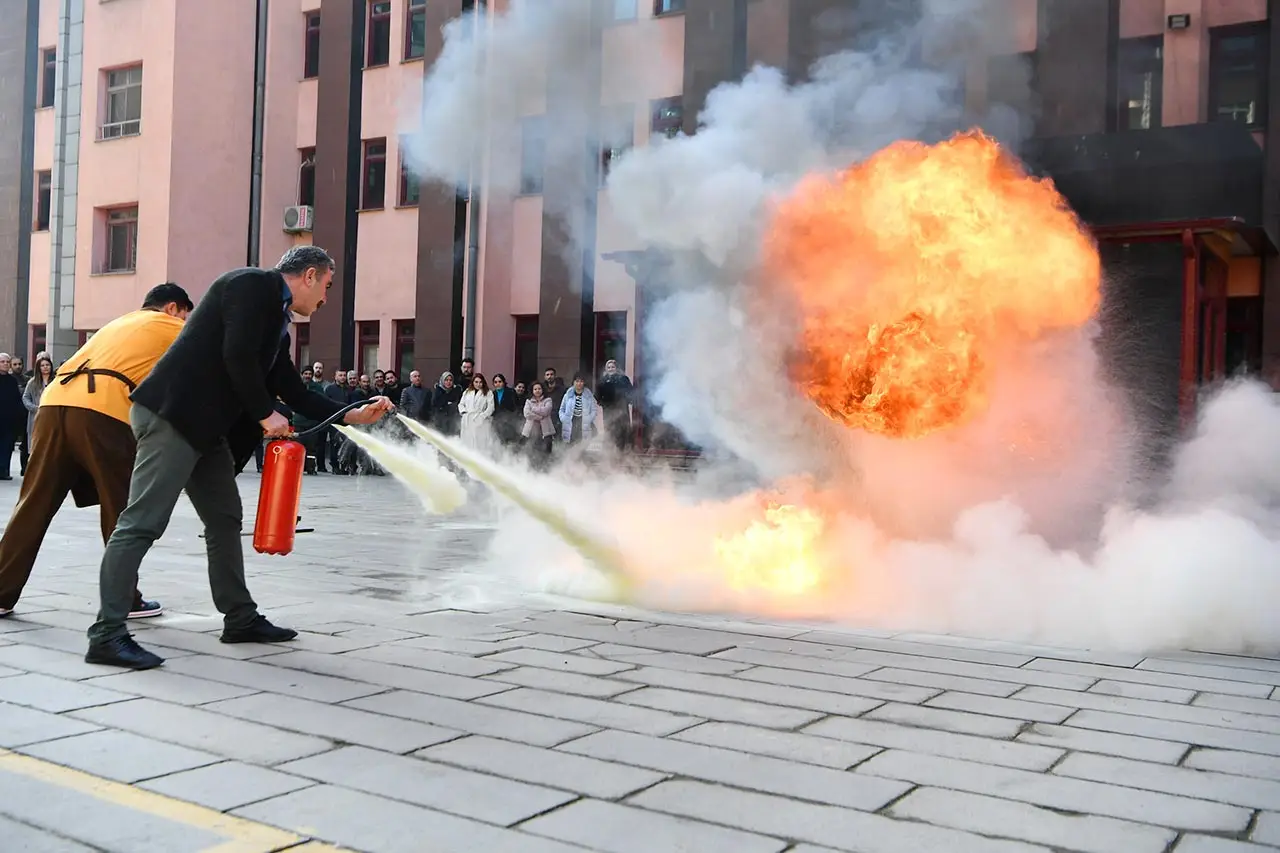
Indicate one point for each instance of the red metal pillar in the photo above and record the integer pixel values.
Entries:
(1190, 326)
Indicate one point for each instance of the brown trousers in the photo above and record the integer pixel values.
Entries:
(76, 451)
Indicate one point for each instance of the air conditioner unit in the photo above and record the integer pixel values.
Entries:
(298, 218)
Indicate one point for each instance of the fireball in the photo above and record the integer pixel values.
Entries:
(913, 272)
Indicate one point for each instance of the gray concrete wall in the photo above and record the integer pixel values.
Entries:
(18, 37)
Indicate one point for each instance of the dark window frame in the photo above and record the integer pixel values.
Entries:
(608, 331)
(416, 10)
(368, 333)
(307, 177)
(1218, 35)
(1135, 59)
(526, 333)
(48, 76)
(311, 47)
(39, 335)
(301, 345)
(43, 200)
(404, 330)
(119, 217)
(409, 189)
(668, 7)
(661, 122)
(370, 159)
(377, 53)
(612, 149)
(533, 148)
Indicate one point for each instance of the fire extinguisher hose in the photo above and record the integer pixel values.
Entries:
(332, 419)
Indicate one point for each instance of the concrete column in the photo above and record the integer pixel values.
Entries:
(338, 174)
(68, 104)
(566, 296)
(18, 61)
(1075, 66)
(437, 323)
(1271, 208)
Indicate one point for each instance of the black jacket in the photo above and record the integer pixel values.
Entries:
(444, 410)
(229, 365)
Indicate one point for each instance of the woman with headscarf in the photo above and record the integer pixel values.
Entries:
(39, 380)
(444, 405)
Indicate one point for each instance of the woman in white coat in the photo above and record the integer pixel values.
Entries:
(476, 410)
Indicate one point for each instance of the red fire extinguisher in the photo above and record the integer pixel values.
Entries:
(282, 468)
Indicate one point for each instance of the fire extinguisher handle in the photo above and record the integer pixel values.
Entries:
(332, 419)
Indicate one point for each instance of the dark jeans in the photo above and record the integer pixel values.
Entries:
(167, 465)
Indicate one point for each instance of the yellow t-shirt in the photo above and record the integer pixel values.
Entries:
(130, 345)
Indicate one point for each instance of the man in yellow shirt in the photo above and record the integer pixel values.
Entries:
(81, 442)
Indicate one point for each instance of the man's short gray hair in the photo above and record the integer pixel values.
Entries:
(299, 259)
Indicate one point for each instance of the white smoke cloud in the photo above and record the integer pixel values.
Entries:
(1036, 538)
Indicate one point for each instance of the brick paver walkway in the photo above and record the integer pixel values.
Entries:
(411, 716)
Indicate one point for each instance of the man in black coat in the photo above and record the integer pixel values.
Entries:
(197, 417)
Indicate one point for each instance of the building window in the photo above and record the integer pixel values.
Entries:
(373, 190)
(666, 7)
(1140, 76)
(415, 30)
(48, 76)
(668, 117)
(302, 346)
(124, 103)
(311, 48)
(533, 151)
(611, 339)
(404, 351)
(44, 199)
(1238, 60)
(39, 341)
(618, 135)
(624, 10)
(378, 38)
(525, 365)
(122, 240)
(408, 192)
(307, 176)
(368, 333)
(83, 335)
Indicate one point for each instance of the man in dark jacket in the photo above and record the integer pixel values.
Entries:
(197, 417)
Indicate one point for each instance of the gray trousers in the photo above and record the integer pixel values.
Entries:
(166, 465)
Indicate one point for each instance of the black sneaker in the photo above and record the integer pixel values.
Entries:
(146, 609)
(258, 631)
(122, 651)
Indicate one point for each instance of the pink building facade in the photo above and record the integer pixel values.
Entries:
(143, 166)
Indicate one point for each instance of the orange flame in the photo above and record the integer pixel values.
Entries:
(911, 268)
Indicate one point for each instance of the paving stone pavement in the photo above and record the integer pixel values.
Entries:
(416, 714)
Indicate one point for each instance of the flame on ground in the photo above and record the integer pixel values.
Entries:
(913, 271)
(778, 553)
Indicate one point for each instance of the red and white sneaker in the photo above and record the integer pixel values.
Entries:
(146, 610)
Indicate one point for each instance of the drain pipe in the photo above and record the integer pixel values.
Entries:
(259, 119)
(473, 191)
